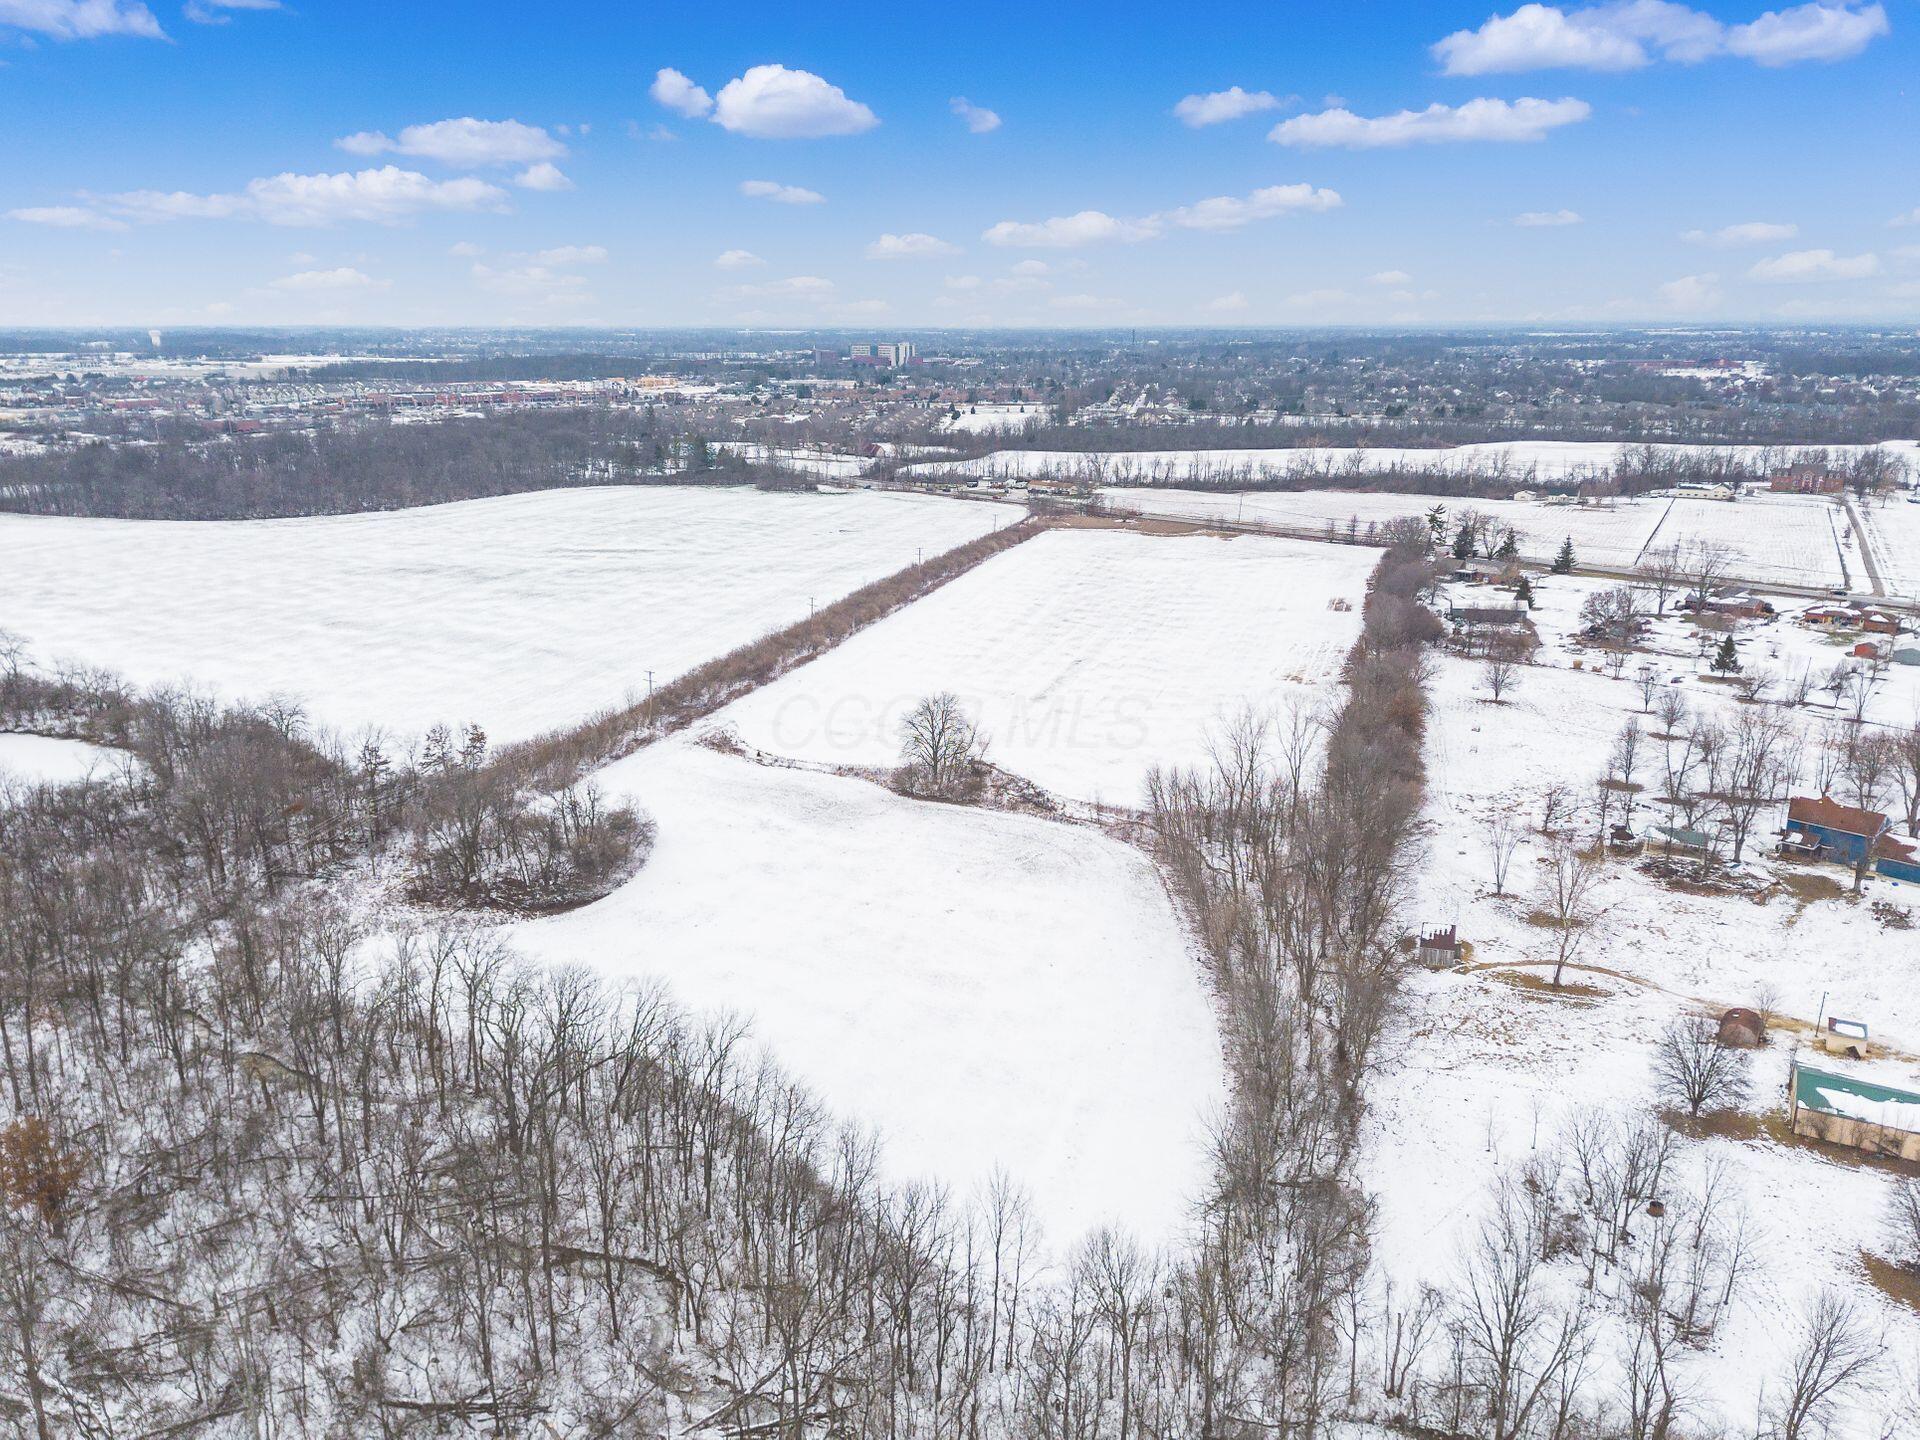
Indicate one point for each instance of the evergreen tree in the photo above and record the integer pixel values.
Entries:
(1436, 525)
(437, 749)
(1509, 547)
(1563, 562)
(473, 747)
(1463, 546)
(1725, 661)
(1523, 592)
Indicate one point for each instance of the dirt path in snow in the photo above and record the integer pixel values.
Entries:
(1865, 542)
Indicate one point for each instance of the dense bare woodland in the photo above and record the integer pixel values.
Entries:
(278, 1167)
(377, 465)
(276, 1172)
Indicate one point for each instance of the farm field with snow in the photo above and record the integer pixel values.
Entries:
(1893, 529)
(1087, 656)
(520, 613)
(987, 990)
(1519, 460)
(40, 759)
(1778, 539)
(1492, 1066)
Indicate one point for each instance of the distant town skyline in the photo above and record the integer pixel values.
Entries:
(888, 168)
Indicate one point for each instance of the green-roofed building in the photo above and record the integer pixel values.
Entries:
(1860, 1113)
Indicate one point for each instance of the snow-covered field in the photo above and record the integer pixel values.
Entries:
(1782, 539)
(987, 419)
(40, 759)
(1087, 656)
(988, 990)
(1488, 1073)
(520, 613)
(1893, 529)
(1522, 460)
(827, 464)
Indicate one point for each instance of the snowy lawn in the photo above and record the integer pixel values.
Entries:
(39, 759)
(986, 989)
(1087, 656)
(520, 613)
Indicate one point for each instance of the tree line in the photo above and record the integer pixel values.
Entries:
(183, 473)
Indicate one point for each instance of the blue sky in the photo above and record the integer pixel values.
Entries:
(1363, 163)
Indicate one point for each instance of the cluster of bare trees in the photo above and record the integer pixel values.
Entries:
(941, 748)
(1102, 460)
(185, 474)
(253, 798)
(1288, 851)
(1717, 780)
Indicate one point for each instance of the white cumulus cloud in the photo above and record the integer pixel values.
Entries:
(771, 102)
(1064, 232)
(1219, 212)
(572, 255)
(679, 94)
(909, 247)
(343, 279)
(1751, 232)
(736, 260)
(1218, 106)
(218, 12)
(388, 195)
(462, 142)
(1691, 292)
(1804, 266)
(1390, 277)
(1630, 34)
(65, 217)
(1229, 212)
(978, 118)
(1229, 304)
(81, 19)
(544, 176)
(793, 287)
(781, 194)
(1808, 32)
(1482, 119)
(1546, 219)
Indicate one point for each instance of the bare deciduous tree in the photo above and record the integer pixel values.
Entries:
(1671, 709)
(1503, 839)
(1693, 1068)
(1567, 897)
(1903, 1224)
(1836, 1355)
(939, 744)
(1664, 573)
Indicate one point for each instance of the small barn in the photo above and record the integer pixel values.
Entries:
(1439, 948)
(1845, 1110)
(1680, 837)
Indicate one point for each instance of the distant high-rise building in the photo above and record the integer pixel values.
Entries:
(882, 352)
